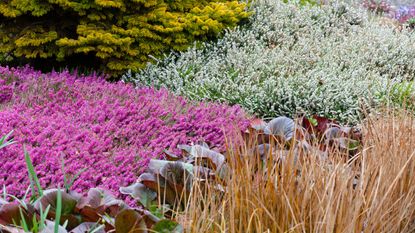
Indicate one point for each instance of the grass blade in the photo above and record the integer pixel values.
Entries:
(58, 210)
(4, 192)
(4, 142)
(43, 216)
(65, 181)
(76, 177)
(23, 221)
(96, 229)
(69, 184)
(34, 180)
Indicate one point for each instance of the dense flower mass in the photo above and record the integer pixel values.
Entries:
(404, 13)
(110, 129)
(377, 6)
(335, 60)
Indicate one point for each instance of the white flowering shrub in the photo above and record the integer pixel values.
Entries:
(332, 60)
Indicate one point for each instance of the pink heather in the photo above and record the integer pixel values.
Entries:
(112, 129)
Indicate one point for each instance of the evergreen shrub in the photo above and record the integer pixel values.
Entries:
(113, 35)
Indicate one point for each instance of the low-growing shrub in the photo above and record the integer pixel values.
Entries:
(114, 35)
(328, 60)
(110, 129)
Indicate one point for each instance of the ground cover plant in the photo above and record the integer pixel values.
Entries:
(63, 210)
(333, 60)
(110, 129)
(112, 36)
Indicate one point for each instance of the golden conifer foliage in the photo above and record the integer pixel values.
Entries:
(121, 34)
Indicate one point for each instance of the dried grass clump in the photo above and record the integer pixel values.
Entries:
(373, 191)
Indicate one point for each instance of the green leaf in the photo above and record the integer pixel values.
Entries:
(58, 210)
(167, 226)
(4, 142)
(34, 180)
(313, 121)
(158, 212)
(23, 222)
(43, 216)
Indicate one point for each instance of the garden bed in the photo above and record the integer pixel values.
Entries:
(109, 129)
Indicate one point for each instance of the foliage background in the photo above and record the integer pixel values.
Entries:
(110, 35)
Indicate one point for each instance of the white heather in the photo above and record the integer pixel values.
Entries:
(332, 60)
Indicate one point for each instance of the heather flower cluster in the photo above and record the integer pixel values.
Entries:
(110, 129)
(334, 60)
(404, 13)
(6, 91)
(377, 6)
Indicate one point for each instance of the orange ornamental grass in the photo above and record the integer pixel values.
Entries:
(373, 191)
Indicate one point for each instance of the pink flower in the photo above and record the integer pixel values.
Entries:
(110, 129)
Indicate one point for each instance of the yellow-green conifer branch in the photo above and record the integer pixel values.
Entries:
(120, 34)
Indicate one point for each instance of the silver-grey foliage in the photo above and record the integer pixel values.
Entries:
(332, 60)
